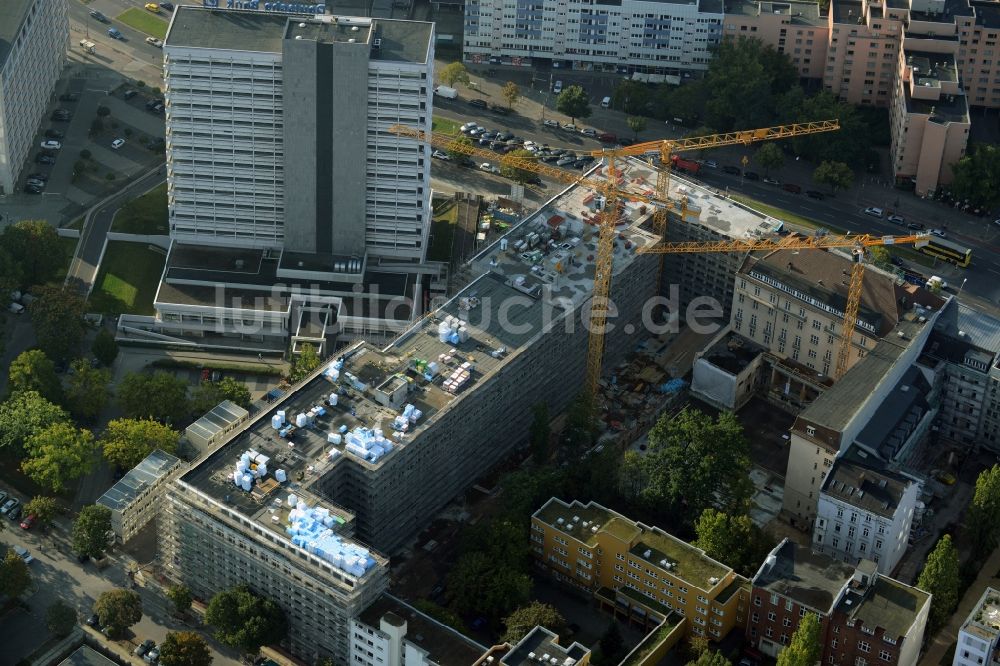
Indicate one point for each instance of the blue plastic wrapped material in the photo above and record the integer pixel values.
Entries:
(309, 528)
(673, 386)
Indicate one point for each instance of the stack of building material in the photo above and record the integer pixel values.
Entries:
(311, 528)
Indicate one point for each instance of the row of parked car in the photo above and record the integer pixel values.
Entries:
(504, 142)
(11, 508)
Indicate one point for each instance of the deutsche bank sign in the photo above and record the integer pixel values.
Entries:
(257, 5)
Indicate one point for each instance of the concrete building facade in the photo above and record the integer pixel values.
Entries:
(137, 497)
(794, 27)
(625, 563)
(641, 36)
(865, 617)
(34, 37)
(980, 633)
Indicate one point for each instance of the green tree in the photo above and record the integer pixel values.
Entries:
(118, 610)
(510, 165)
(511, 93)
(636, 124)
(57, 455)
(244, 620)
(180, 597)
(303, 364)
(573, 102)
(57, 315)
(850, 145)
(454, 73)
(880, 256)
(770, 157)
(732, 539)
(105, 349)
(457, 152)
(159, 395)
(837, 175)
(103, 111)
(710, 658)
(60, 618)
(806, 646)
(581, 422)
(35, 246)
(479, 584)
(88, 390)
(44, 509)
(184, 648)
(612, 644)
(32, 370)
(24, 415)
(126, 442)
(209, 394)
(90, 530)
(977, 175)
(15, 577)
(983, 515)
(540, 432)
(633, 97)
(940, 577)
(526, 618)
(10, 271)
(694, 463)
(743, 82)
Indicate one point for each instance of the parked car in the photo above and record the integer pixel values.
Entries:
(38, 176)
(142, 648)
(587, 131)
(792, 187)
(896, 261)
(82, 559)
(51, 144)
(152, 7)
(69, 97)
(93, 620)
(31, 189)
(437, 154)
(813, 194)
(98, 16)
(565, 161)
(15, 513)
(940, 233)
(751, 175)
(169, 6)
(158, 43)
(557, 87)
(24, 554)
(915, 226)
(54, 134)
(117, 143)
(114, 33)
(478, 103)
(151, 103)
(9, 505)
(551, 123)
(61, 115)
(28, 522)
(505, 136)
(3, 497)
(34, 182)
(489, 168)
(569, 127)
(731, 170)
(874, 212)
(771, 181)
(129, 93)
(152, 656)
(896, 219)
(42, 158)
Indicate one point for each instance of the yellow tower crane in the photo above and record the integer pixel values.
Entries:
(612, 191)
(857, 243)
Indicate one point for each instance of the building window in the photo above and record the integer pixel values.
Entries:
(885, 655)
(864, 646)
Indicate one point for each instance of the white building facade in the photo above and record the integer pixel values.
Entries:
(628, 36)
(34, 35)
(980, 633)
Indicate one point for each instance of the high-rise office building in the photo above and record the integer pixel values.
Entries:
(33, 40)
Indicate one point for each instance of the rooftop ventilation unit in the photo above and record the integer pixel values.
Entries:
(377, 43)
(355, 28)
(302, 25)
(648, 554)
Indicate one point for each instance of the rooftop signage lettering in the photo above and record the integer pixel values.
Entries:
(257, 5)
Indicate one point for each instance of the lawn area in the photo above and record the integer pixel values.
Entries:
(144, 215)
(144, 21)
(445, 125)
(130, 273)
(443, 230)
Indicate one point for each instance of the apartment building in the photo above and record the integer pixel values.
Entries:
(541, 646)
(295, 214)
(34, 37)
(961, 357)
(628, 565)
(136, 498)
(644, 36)
(865, 617)
(980, 633)
(390, 632)
(796, 28)
(865, 511)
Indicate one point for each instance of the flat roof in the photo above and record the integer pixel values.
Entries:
(244, 30)
(846, 11)
(86, 656)
(886, 603)
(930, 68)
(12, 15)
(152, 468)
(862, 480)
(733, 353)
(799, 12)
(539, 642)
(444, 645)
(984, 620)
(987, 14)
(945, 109)
(808, 578)
(971, 327)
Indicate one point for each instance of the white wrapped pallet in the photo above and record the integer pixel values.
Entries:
(333, 399)
(333, 437)
(280, 476)
(463, 334)
(292, 500)
(245, 459)
(333, 453)
(246, 482)
(301, 420)
(261, 470)
(237, 477)
(282, 414)
(277, 422)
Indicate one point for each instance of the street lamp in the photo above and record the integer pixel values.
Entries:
(961, 288)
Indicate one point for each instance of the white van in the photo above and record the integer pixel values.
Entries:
(16, 308)
(606, 102)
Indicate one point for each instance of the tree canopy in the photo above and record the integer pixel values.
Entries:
(511, 93)
(770, 156)
(105, 349)
(118, 609)
(244, 620)
(35, 248)
(977, 175)
(573, 102)
(44, 509)
(732, 539)
(806, 646)
(636, 124)
(508, 170)
(57, 315)
(158, 395)
(710, 658)
(209, 394)
(307, 361)
(57, 455)
(743, 80)
(32, 370)
(126, 442)
(453, 73)
(24, 415)
(526, 618)
(940, 577)
(180, 597)
(184, 648)
(87, 390)
(60, 618)
(15, 577)
(983, 515)
(90, 530)
(456, 153)
(836, 175)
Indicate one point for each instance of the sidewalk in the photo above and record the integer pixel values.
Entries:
(945, 638)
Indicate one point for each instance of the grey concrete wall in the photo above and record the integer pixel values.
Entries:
(325, 88)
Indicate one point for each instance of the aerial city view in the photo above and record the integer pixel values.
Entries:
(500, 333)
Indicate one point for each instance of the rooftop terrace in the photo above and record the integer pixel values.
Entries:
(542, 645)
(444, 645)
(984, 620)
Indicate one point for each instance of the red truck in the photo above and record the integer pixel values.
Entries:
(688, 166)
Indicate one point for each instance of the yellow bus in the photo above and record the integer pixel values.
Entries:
(945, 250)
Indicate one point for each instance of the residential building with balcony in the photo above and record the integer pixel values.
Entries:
(633, 36)
(865, 617)
(34, 37)
(796, 28)
(980, 633)
(629, 565)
